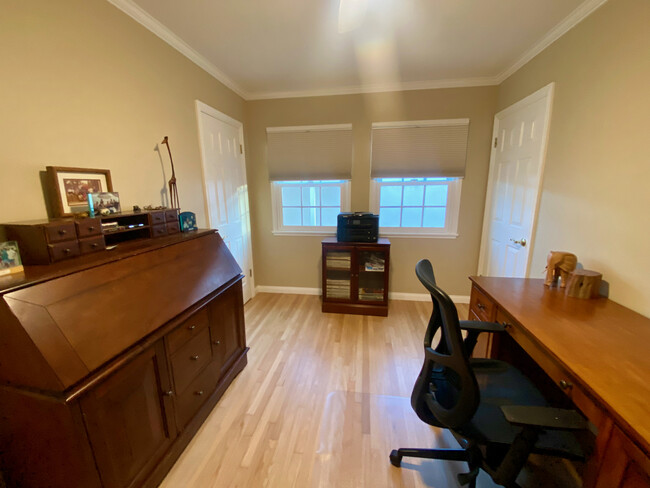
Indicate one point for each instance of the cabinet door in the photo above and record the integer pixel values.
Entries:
(371, 271)
(338, 273)
(129, 419)
(227, 333)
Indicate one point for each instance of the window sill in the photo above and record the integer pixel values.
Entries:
(321, 233)
(418, 235)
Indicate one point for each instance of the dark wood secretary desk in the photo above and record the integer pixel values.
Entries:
(111, 361)
(596, 351)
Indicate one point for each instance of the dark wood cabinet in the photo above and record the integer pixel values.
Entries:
(109, 365)
(129, 421)
(355, 276)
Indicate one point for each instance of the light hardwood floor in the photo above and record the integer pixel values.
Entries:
(322, 401)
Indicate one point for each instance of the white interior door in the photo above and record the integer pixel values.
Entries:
(516, 167)
(226, 191)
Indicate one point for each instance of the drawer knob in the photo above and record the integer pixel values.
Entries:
(480, 306)
(169, 393)
(195, 357)
(66, 250)
(565, 385)
(217, 342)
(198, 393)
(92, 227)
(191, 327)
(506, 325)
(63, 232)
(94, 244)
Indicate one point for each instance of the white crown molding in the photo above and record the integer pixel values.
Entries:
(574, 18)
(411, 297)
(142, 17)
(377, 88)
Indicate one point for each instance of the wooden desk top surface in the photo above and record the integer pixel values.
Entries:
(603, 344)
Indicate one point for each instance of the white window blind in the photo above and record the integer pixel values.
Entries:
(321, 152)
(419, 149)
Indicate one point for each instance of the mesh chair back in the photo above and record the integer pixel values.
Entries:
(446, 393)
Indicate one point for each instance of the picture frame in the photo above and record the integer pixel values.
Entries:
(69, 188)
(103, 203)
(10, 261)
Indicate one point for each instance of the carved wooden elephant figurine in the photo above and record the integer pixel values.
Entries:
(559, 264)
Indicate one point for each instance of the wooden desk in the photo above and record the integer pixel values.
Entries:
(596, 351)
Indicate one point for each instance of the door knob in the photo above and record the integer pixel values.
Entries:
(521, 242)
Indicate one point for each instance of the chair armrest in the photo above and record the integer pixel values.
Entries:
(474, 328)
(477, 326)
(545, 417)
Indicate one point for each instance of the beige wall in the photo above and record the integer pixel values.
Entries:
(295, 261)
(596, 198)
(84, 85)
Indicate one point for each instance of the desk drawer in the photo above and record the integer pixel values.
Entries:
(159, 230)
(64, 250)
(88, 227)
(562, 378)
(190, 359)
(481, 305)
(157, 218)
(171, 215)
(92, 244)
(60, 231)
(197, 392)
(187, 330)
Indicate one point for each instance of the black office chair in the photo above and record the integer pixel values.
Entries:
(492, 409)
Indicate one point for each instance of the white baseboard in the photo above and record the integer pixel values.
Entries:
(424, 297)
(290, 290)
(413, 297)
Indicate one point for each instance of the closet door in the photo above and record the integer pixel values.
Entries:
(129, 421)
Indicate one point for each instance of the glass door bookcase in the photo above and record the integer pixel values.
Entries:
(355, 276)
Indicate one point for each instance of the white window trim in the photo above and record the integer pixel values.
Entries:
(450, 231)
(307, 230)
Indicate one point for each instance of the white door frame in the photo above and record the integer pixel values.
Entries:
(548, 92)
(207, 109)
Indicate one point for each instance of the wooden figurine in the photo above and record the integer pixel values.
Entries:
(173, 190)
(558, 265)
(584, 283)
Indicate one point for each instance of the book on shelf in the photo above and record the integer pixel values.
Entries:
(374, 263)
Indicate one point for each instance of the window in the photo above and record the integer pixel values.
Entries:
(417, 206)
(310, 172)
(417, 170)
(308, 206)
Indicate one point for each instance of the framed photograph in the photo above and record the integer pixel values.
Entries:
(69, 188)
(10, 258)
(103, 202)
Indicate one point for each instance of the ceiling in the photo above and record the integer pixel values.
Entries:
(284, 48)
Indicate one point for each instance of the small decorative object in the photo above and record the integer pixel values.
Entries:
(188, 221)
(136, 209)
(584, 283)
(173, 190)
(69, 188)
(10, 258)
(98, 202)
(558, 265)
